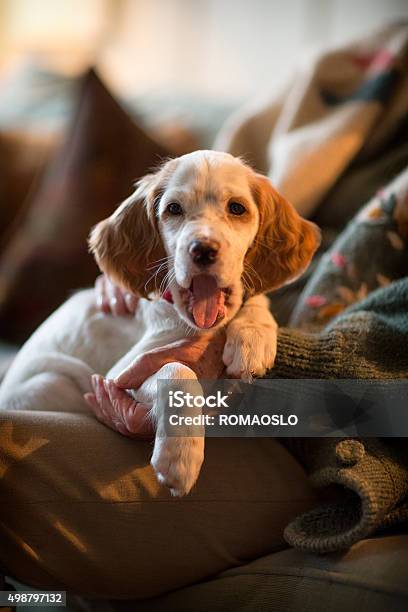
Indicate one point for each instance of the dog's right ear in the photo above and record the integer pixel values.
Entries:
(127, 245)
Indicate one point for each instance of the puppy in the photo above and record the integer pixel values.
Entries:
(210, 236)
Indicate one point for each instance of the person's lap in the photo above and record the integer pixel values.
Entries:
(82, 510)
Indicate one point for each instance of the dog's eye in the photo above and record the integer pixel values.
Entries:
(174, 208)
(236, 208)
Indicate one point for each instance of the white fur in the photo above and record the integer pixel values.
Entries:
(53, 369)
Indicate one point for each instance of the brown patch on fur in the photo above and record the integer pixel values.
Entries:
(285, 243)
(127, 246)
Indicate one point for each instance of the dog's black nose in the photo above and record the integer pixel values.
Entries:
(203, 252)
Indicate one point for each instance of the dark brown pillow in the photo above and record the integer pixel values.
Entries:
(23, 156)
(94, 168)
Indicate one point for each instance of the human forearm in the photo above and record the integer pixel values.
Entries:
(367, 341)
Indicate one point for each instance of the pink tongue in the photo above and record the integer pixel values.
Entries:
(206, 300)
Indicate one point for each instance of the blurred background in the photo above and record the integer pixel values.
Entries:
(225, 48)
(182, 64)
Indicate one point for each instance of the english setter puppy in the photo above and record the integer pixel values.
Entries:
(201, 240)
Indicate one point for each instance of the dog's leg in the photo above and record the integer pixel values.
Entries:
(250, 348)
(51, 381)
(176, 459)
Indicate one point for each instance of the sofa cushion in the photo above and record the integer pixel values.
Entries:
(370, 577)
(101, 155)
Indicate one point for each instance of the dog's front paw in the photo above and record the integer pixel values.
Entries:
(249, 351)
(177, 462)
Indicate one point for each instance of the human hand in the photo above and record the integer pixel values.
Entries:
(115, 408)
(111, 299)
(201, 353)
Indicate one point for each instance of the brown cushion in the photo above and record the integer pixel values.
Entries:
(23, 156)
(94, 168)
(370, 577)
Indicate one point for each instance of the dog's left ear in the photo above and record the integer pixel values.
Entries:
(285, 243)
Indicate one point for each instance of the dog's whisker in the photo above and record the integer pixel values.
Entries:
(248, 287)
(156, 263)
(154, 276)
(165, 283)
(247, 279)
(251, 270)
(244, 281)
(168, 278)
(163, 258)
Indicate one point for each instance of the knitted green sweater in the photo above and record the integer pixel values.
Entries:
(368, 340)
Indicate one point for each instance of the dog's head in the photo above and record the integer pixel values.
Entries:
(205, 227)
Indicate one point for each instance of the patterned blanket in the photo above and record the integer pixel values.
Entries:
(343, 113)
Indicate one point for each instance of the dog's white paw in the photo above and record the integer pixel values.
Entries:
(249, 351)
(177, 462)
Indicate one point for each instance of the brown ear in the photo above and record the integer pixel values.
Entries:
(127, 246)
(285, 243)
